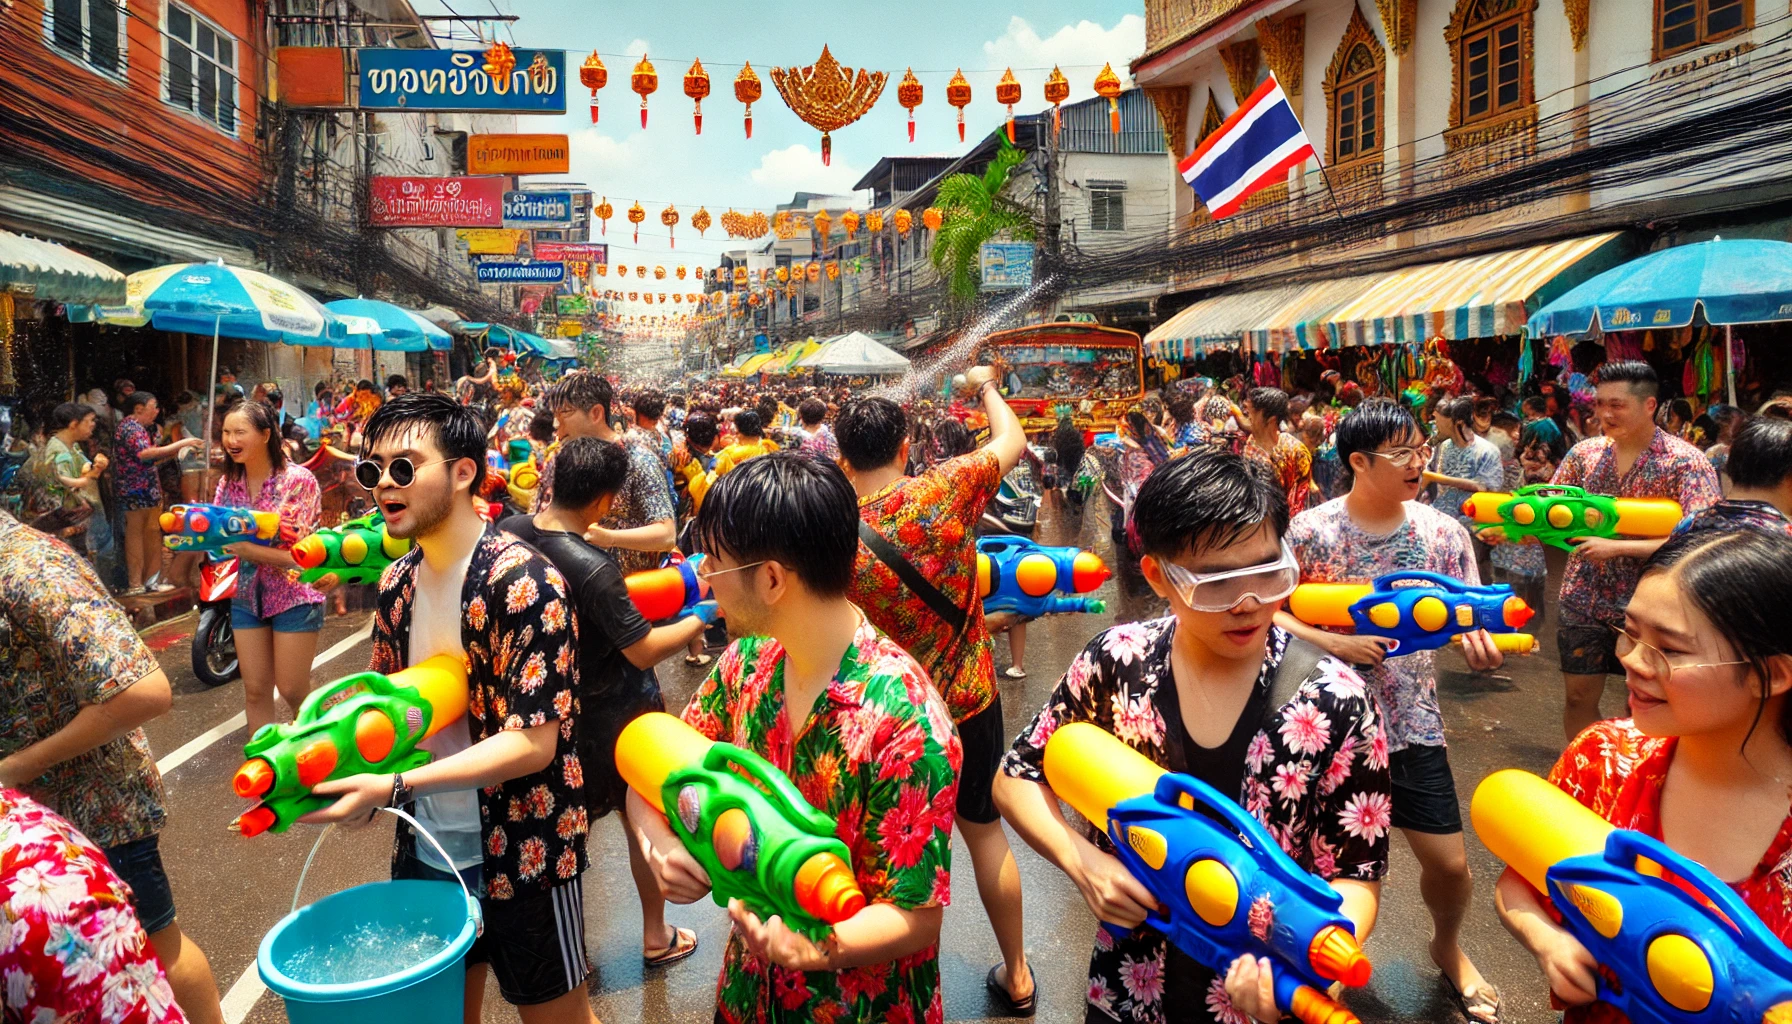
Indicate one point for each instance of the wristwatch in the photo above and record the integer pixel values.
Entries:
(401, 793)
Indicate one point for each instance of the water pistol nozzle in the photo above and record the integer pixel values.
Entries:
(826, 888)
(1336, 954)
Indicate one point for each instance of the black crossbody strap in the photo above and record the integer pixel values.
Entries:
(911, 577)
(1299, 659)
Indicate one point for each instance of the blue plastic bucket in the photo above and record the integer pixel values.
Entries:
(426, 992)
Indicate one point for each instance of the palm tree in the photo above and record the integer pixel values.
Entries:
(974, 211)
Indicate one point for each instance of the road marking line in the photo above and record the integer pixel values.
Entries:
(242, 996)
(190, 749)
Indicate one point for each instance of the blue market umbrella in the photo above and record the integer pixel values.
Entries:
(400, 329)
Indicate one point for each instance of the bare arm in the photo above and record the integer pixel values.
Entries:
(1007, 439)
(1111, 891)
(92, 726)
(662, 642)
(656, 536)
(1568, 967)
(510, 754)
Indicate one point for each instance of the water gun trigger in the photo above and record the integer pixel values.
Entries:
(775, 785)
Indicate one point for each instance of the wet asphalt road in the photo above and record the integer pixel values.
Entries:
(231, 891)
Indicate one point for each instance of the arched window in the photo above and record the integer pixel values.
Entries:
(1492, 49)
(1355, 92)
(1682, 25)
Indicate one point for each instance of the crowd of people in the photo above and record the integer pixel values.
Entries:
(845, 642)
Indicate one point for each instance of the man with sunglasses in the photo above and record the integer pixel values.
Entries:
(503, 794)
(1214, 690)
(1379, 527)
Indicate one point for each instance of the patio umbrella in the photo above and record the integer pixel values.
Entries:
(1739, 281)
(400, 330)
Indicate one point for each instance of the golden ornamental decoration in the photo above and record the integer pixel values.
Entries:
(644, 80)
(499, 61)
(783, 274)
(659, 273)
(604, 210)
(904, 221)
(1107, 86)
(958, 93)
(680, 271)
(908, 93)
(1057, 90)
(849, 222)
(740, 277)
(696, 86)
(669, 217)
(636, 214)
(833, 270)
(594, 76)
(874, 222)
(748, 90)
(827, 96)
(1008, 94)
(700, 220)
(812, 271)
(824, 225)
(933, 218)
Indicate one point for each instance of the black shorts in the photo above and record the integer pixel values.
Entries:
(139, 864)
(984, 742)
(535, 942)
(602, 720)
(1425, 791)
(1586, 647)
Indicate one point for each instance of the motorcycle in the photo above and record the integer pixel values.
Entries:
(214, 644)
(1015, 507)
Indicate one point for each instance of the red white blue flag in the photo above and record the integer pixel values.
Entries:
(1252, 150)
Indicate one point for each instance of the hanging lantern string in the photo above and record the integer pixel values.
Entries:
(948, 72)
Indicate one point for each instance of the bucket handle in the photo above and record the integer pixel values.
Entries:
(472, 904)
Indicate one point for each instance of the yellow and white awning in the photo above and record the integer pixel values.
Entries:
(1220, 320)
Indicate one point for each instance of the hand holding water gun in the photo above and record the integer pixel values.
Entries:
(1665, 954)
(354, 551)
(1015, 574)
(212, 528)
(743, 820)
(1557, 514)
(670, 592)
(1421, 617)
(1229, 889)
(362, 724)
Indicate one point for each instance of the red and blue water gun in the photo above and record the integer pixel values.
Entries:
(1015, 574)
(669, 592)
(1425, 613)
(210, 528)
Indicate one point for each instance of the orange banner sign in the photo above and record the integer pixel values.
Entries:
(517, 154)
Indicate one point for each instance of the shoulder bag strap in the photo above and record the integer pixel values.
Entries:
(905, 571)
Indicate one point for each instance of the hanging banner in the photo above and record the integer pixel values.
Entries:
(537, 209)
(511, 272)
(408, 202)
(1005, 265)
(518, 154)
(457, 80)
(587, 252)
(491, 241)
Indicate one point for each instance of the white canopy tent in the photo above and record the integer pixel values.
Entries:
(854, 354)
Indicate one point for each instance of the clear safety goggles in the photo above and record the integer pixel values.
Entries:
(1223, 591)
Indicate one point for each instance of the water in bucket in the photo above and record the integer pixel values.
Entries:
(366, 952)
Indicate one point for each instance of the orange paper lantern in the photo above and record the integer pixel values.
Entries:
(849, 221)
(823, 226)
(700, 220)
(603, 211)
(1107, 86)
(659, 273)
(1008, 94)
(874, 222)
(933, 218)
(908, 93)
(644, 80)
(958, 93)
(680, 272)
(669, 217)
(636, 214)
(696, 86)
(833, 270)
(783, 274)
(1057, 90)
(812, 271)
(593, 75)
(904, 221)
(748, 89)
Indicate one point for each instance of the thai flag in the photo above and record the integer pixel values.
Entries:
(1252, 150)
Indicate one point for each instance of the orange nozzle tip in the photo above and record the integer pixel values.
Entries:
(170, 522)
(309, 553)
(1314, 1007)
(254, 822)
(1336, 954)
(254, 778)
(826, 888)
(1518, 613)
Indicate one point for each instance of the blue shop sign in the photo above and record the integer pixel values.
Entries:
(457, 80)
(508, 272)
(537, 209)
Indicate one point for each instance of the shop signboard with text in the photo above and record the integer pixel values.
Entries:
(585, 252)
(412, 202)
(393, 79)
(514, 272)
(518, 154)
(537, 209)
(1005, 265)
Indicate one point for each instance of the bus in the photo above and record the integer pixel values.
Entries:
(1054, 366)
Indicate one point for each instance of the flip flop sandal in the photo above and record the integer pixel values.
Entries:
(1010, 1006)
(1481, 1008)
(684, 943)
(697, 660)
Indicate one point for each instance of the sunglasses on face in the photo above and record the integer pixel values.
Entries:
(1268, 583)
(402, 471)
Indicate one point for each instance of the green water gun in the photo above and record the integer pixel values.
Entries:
(744, 821)
(1559, 514)
(362, 724)
(356, 551)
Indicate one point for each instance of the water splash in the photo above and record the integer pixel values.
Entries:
(366, 952)
(924, 378)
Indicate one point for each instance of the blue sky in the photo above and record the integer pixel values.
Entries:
(668, 163)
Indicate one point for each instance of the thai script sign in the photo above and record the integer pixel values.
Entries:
(504, 272)
(456, 80)
(435, 202)
(491, 241)
(518, 154)
(537, 209)
(587, 252)
(1006, 265)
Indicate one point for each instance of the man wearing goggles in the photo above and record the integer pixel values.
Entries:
(1215, 689)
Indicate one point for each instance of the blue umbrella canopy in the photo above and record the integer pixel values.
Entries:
(400, 329)
(1735, 281)
(211, 298)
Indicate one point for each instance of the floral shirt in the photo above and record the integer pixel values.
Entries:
(1729, 516)
(1292, 465)
(820, 444)
(134, 476)
(71, 947)
(879, 755)
(932, 519)
(522, 645)
(1331, 548)
(1318, 781)
(645, 499)
(65, 643)
(1618, 772)
(264, 589)
(1479, 460)
(1668, 468)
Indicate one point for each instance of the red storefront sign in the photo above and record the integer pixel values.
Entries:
(405, 202)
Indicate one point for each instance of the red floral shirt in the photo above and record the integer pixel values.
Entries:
(1618, 772)
(1292, 465)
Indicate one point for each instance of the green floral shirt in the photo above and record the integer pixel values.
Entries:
(880, 755)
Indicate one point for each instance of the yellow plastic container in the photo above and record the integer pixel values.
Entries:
(1092, 771)
(1532, 825)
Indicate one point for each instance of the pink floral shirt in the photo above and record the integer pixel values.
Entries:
(264, 589)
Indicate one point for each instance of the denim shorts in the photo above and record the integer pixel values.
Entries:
(139, 864)
(300, 618)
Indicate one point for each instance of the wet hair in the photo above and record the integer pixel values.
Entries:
(364, 385)
(1640, 377)
(69, 413)
(870, 432)
(952, 439)
(1486, 406)
(650, 403)
(137, 400)
(1544, 432)
(1761, 454)
(1272, 402)
(1206, 500)
(1460, 409)
(1742, 582)
(261, 417)
(455, 429)
(767, 408)
(1536, 404)
(701, 428)
(586, 469)
(397, 380)
(789, 508)
(582, 391)
(813, 411)
(748, 424)
(1368, 427)
(541, 426)
(1682, 409)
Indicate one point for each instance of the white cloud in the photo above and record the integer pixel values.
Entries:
(595, 155)
(635, 48)
(1085, 43)
(797, 168)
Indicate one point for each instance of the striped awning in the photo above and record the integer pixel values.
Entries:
(57, 273)
(1298, 325)
(1220, 320)
(751, 366)
(1476, 297)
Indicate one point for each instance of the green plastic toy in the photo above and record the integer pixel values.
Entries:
(356, 551)
(1558, 514)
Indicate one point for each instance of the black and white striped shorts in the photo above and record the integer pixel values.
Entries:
(534, 941)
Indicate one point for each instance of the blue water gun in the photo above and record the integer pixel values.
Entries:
(1015, 574)
(1229, 889)
(1668, 953)
(1421, 617)
(210, 528)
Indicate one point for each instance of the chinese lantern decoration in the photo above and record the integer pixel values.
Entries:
(1008, 94)
(783, 274)
(641, 272)
(700, 220)
(908, 93)
(696, 86)
(1107, 86)
(753, 299)
(644, 80)
(827, 96)
(748, 90)
(678, 297)
(680, 272)
(812, 271)
(874, 222)
(823, 225)
(499, 60)
(740, 277)
(1057, 90)
(603, 270)
(593, 75)
(833, 270)
(647, 297)
(659, 273)
(932, 218)
(849, 222)
(958, 93)
(603, 211)
(621, 270)
(669, 217)
(635, 213)
(904, 221)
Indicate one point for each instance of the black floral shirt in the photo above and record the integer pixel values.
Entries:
(1316, 776)
(522, 670)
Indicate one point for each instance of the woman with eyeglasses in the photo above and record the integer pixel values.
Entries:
(274, 617)
(1704, 763)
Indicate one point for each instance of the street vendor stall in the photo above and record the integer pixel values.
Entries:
(1049, 366)
(856, 355)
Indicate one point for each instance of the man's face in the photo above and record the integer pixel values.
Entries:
(737, 591)
(1622, 414)
(84, 426)
(1240, 632)
(1446, 427)
(571, 421)
(414, 510)
(1256, 419)
(1396, 470)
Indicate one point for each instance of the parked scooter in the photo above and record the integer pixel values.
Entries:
(214, 644)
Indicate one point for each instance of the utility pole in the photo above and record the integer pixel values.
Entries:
(1052, 217)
